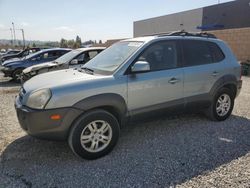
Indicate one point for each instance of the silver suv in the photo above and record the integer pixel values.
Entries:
(132, 79)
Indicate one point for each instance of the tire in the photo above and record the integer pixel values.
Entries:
(218, 115)
(84, 139)
(17, 75)
(24, 78)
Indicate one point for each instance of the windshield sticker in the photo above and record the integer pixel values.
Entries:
(134, 44)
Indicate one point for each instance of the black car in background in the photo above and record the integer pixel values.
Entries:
(19, 54)
(9, 52)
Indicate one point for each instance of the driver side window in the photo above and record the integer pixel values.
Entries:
(80, 58)
(45, 55)
(37, 58)
(160, 56)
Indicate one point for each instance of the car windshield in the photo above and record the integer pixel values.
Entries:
(68, 56)
(110, 59)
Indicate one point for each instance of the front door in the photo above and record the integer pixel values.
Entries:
(162, 86)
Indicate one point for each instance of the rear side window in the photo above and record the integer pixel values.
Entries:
(57, 54)
(216, 52)
(201, 52)
(61, 52)
(196, 53)
(92, 54)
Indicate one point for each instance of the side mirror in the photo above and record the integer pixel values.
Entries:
(140, 66)
(74, 62)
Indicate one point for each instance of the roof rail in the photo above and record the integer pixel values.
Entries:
(185, 33)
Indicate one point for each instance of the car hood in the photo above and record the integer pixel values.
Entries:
(9, 55)
(12, 62)
(58, 79)
(39, 66)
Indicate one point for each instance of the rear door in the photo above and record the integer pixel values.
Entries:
(162, 86)
(46, 57)
(203, 62)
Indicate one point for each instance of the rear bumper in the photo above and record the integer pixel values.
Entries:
(38, 123)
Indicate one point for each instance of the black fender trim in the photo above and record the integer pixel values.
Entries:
(108, 100)
(221, 82)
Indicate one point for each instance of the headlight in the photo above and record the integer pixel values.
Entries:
(39, 99)
(32, 73)
(5, 68)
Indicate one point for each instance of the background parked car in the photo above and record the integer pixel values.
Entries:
(73, 59)
(13, 68)
(21, 54)
(10, 52)
(2, 51)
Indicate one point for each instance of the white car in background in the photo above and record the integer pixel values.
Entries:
(72, 59)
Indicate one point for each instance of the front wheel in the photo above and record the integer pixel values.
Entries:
(222, 105)
(94, 134)
(17, 75)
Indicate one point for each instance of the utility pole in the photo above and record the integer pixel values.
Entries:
(23, 38)
(14, 33)
(11, 33)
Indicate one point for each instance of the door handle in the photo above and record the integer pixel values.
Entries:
(215, 73)
(173, 81)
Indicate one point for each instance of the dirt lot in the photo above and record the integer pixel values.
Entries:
(182, 151)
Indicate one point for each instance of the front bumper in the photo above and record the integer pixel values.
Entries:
(38, 123)
(25, 77)
(7, 72)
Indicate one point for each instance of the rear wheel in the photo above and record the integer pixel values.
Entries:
(94, 134)
(222, 105)
(17, 75)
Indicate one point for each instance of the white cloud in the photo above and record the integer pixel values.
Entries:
(2, 26)
(64, 28)
(24, 24)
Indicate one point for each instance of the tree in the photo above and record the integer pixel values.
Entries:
(71, 43)
(78, 42)
(63, 43)
(33, 45)
(100, 41)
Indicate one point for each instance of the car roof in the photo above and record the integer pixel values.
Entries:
(175, 35)
(140, 39)
(55, 49)
(91, 48)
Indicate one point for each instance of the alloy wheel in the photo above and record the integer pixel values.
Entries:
(223, 105)
(96, 136)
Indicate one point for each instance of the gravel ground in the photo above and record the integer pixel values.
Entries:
(182, 151)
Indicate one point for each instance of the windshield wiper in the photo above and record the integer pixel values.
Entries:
(87, 70)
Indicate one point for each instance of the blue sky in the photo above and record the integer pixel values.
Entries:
(95, 19)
